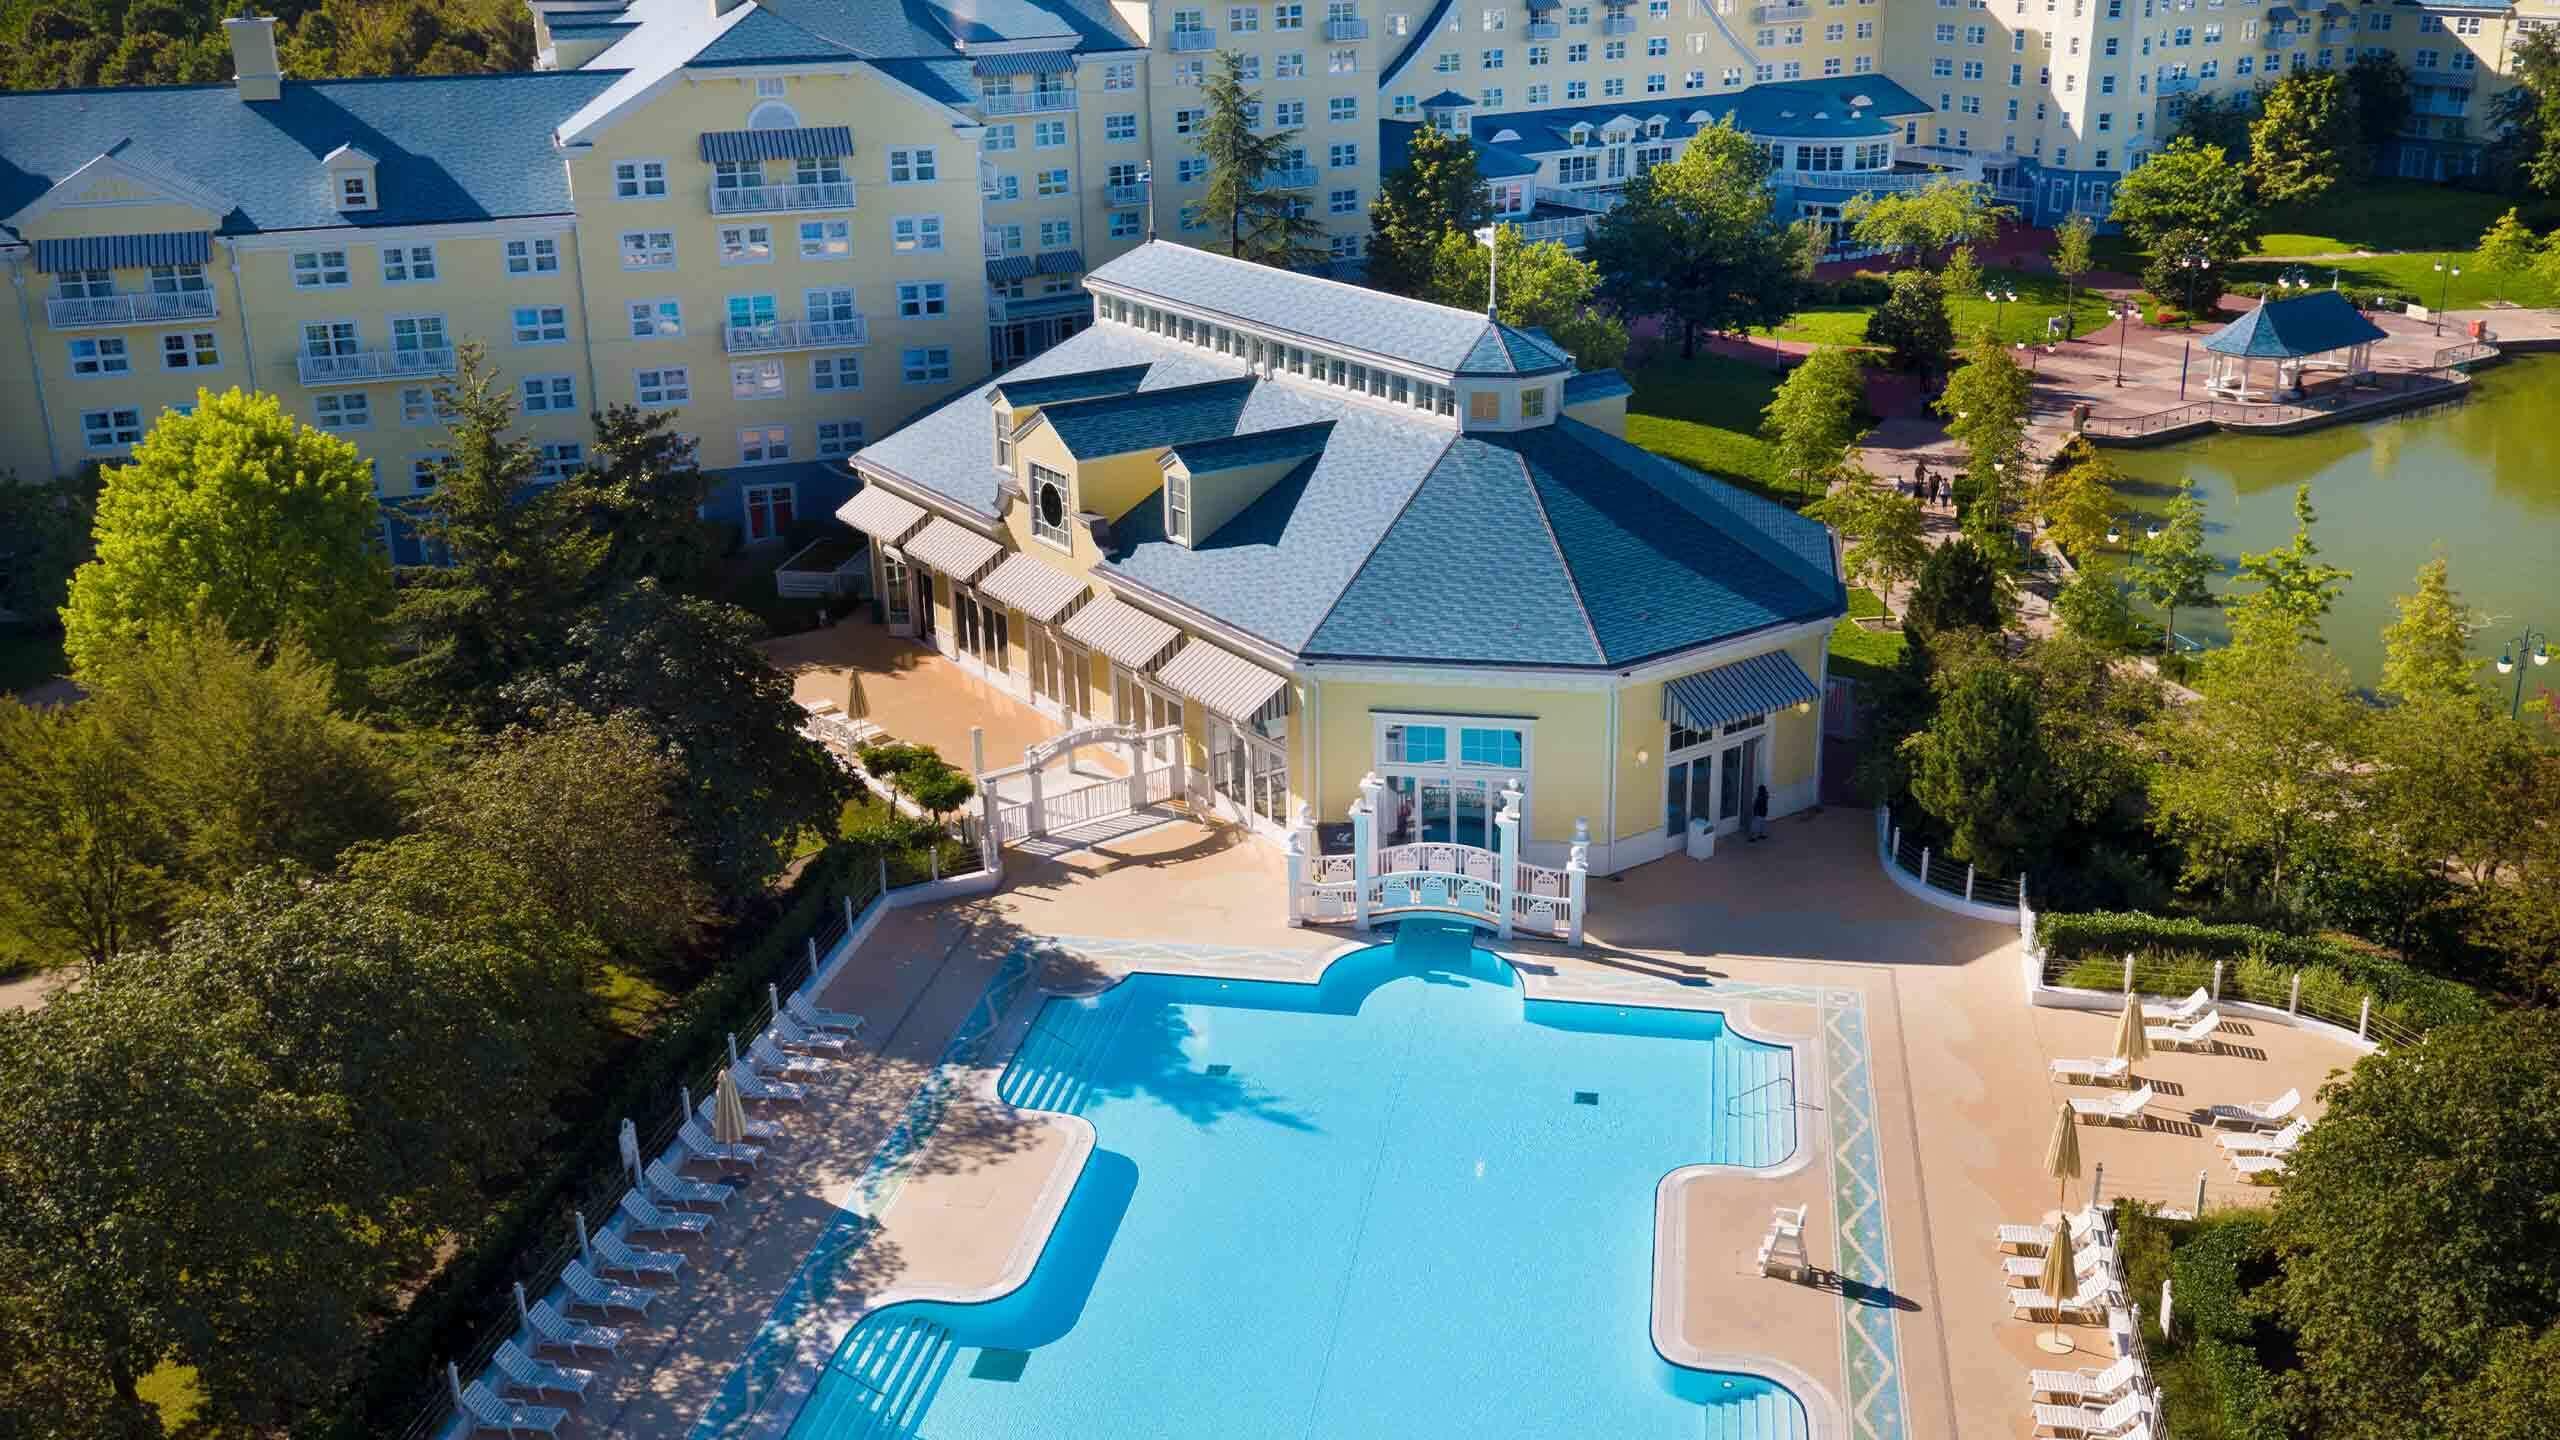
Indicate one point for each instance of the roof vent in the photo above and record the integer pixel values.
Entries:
(253, 57)
(1861, 101)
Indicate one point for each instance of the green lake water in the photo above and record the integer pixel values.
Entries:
(2480, 478)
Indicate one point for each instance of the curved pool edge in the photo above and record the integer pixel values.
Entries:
(1672, 1262)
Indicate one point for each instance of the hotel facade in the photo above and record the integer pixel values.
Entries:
(757, 213)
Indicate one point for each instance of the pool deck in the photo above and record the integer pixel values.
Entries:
(1922, 1084)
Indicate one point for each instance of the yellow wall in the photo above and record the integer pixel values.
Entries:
(1794, 744)
(1567, 777)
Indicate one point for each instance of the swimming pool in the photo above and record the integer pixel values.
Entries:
(1404, 1202)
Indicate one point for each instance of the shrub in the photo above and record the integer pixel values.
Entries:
(2213, 1268)
(2338, 975)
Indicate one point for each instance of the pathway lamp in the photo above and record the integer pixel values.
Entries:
(2444, 294)
(1999, 297)
(2194, 265)
(2123, 312)
(2535, 644)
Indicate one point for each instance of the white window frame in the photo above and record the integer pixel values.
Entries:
(113, 429)
(649, 255)
(767, 437)
(669, 393)
(657, 316)
(911, 373)
(924, 234)
(919, 163)
(1453, 769)
(315, 275)
(533, 253)
(123, 357)
(542, 322)
(409, 262)
(340, 401)
(547, 389)
(211, 344)
(640, 179)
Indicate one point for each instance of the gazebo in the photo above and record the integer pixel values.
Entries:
(2297, 334)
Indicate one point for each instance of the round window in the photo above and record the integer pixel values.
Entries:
(1053, 507)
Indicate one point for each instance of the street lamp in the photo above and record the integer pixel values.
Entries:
(2444, 292)
(2124, 317)
(2194, 266)
(2034, 356)
(1999, 296)
(2535, 643)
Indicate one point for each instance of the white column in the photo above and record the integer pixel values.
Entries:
(1577, 877)
(1137, 773)
(1364, 846)
(1034, 821)
(1506, 832)
(1301, 847)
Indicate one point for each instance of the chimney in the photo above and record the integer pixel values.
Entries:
(253, 57)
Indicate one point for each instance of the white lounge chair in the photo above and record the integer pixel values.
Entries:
(2259, 1169)
(2280, 1143)
(2085, 1420)
(540, 1378)
(768, 1057)
(792, 1035)
(2087, 1225)
(490, 1413)
(2197, 1035)
(2085, 1265)
(676, 1189)
(555, 1331)
(603, 1296)
(2183, 1011)
(2089, 1307)
(2087, 1387)
(2123, 1110)
(728, 1157)
(756, 1087)
(2255, 1114)
(643, 1216)
(620, 1257)
(806, 1011)
(767, 1133)
(2093, 1071)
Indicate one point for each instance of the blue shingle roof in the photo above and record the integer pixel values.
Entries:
(1448, 100)
(1146, 419)
(1422, 34)
(1507, 351)
(1082, 385)
(447, 148)
(1595, 385)
(1234, 452)
(1801, 109)
(2310, 324)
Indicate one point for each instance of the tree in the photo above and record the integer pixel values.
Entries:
(1886, 533)
(1985, 403)
(1699, 242)
(2508, 248)
(2187, 201)
(2378, 97)
(643, 492)
(2295, 588)
(2074, 499)
(241, 516)
(2073, 258)
(1962, 276)
(2260, 771)
(45, 536)
(1979, 770)
(82, 854)
(2427, 651)
(1960, 588)
(1435, 193)
(2170, 568)
(2093, 606)
(2420, 1248)
(1912, 323)
(2217, 120)
(2524, 119)
(1945, 212)
(1262, 223)
(1544, 286)
(2305, 138)
(1812, 420)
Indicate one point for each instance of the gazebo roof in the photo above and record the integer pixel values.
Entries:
(2310, 324)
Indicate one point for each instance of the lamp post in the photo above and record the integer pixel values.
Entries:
(2194, 265)
(2533, 643)
(1999, 296)
(2444, 292)
(2123, 311)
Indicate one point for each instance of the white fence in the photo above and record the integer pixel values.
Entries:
(1155, 777)
(1494, 888)
(1946, 883)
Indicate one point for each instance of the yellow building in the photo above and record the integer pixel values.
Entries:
(1330, 533)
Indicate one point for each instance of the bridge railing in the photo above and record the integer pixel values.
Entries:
(1437, 877)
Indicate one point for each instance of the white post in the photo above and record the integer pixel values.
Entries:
(2128, 972)
(2364, 1016)
(1577, 878)
(1896, 854)
(1506, 840)
(1924, 864)
(977, 749)
(848, 916)
(990, 830)
(1968, 882)
(2293, 1002)
(2217, 981)
(933, 858)
(1034, 820)
(1301, 841)
(813, 955)
(2200, 1179)
(884, 874)
(1137, 773)
(1364, 846)
(2097, 1185)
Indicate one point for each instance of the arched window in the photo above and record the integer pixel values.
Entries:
(773, 115)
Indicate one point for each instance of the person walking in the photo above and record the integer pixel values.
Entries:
(1760, 815)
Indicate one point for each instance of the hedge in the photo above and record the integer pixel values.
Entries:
(2210, 1282)
(404, 1364)
(2333, 975)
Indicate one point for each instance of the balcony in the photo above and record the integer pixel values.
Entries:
(1593, 199)
(1121, 196)
(2280, 40)
(1769, 14)
(2175, 85)
(1289, 177)
(992, 245)
(1193, 40)
(2450, 103)
(1346, 28)
(1618, 25)
(781, 199)
(151, 309)
(1857, 182)
(370, 365)
(1545, 30)
(1004, 311)
(1569, 232)
(1026, 102)
(783, 335)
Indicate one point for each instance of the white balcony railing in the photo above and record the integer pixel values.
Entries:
(1618, 25)
(367, 365)
(781, 199)
(2175, 85)
(146, 309)
(1289, 177)
(1766, 14)
(1873, 182)
(1569, 232)
(1125, 195)
(796, 335)
(1026, 102)
(992, 245)
(1598, 199)
(1193, 40)
(1351, 28)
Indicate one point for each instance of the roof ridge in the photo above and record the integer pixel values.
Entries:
(1564, 561)
(304, 81)
(1080, 406)
(1352, 576)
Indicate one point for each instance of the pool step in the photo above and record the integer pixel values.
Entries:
(895, 1365)
(1765, 1414)
(1053, 1067)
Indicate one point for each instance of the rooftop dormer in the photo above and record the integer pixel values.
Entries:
(352, 183)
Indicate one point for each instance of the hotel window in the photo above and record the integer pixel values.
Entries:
(425, 471)
(768, 508)
(980, 627)
(830, 373)
(1049, 513)
(640, 180)
(656, 319)
(755, 380)
(533, 257)
(925, 364)
(1490, 60)
(319, 269)
(1433, 796)
(1533, 403)
(826, 240)
(84, 285)
(1120, 76)
(763, 445)
(667, 385)
(189, 350)
(550, 395)
(1052, 182)
(648, 249)
(999, 139)
(1120, 127)
(1244, 19)
(1342, 109)
(330, 339)
(1049, 134)
(919, 299)
(912, 167)
(915, 233)
(91, 359)
(561, 459)
(817, 170)
(408, 264)
(111, 429)
(746, 244)
(541, 325)
(838, 437)
(1344, 202)
(1343, 156)
(1177, 508)
(413, 335)
(418, 406)
(344, 410)
(1057, 234)
(1288, 115)
(1289, 17)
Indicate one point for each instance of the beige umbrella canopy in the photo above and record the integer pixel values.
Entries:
(2133, 1043)
(2057, 1282)
(728, 1112)
(2062, 1157)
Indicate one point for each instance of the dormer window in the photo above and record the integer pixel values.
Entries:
(355, 192)
(1177, 507)
(1049, 511)
(351, 179)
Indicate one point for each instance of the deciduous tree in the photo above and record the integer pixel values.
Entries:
(1435, 193)
(1985, 403)
(2305, 138)
(1912, 323)
(1945, 212)
(1812, 420)
(2170, 568)
(2378, 95)
(83, 853)
(2508, 248)
(2075, 498)
(1963, 277)
(1979, 769)
(2427, 651)
(1885, 532)
(2183, 201)
(2073, 258)
(2295, 587)
(1544, 286)
(2259, 771)
(1699, 241)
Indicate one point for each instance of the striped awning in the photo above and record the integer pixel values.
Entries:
(961, 554)
(1223, 682)
(1042, 591)
(799, 142)
(1025, 62)
(1059, 262)
(1122, 631)
(118, 252)
(1009, 267)
(1757, 686)
(884, 517)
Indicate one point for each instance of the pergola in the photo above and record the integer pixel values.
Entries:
(2297, 334)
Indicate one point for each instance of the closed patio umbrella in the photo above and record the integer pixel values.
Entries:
(2057, 1282)
(586, 1247)
(2062, 1160)
(728, 1112)
(2133, 1043)
(630, 1142)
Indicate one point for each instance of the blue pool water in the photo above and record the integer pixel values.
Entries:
(1405, 1203)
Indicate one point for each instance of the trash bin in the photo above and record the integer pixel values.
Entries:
(2477, 326)
(1702, 840)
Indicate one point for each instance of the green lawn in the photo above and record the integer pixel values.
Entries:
(29, 657)
(1823, 325)
(2415, 275)
(2040, 297)
(1705, 412)
(2386, 215)
(1861, 654)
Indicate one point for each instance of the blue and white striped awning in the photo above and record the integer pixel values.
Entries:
(803, 142)
(1024, 62)
(1760, 685)
(1059, 262)
(118, 252)
(1009, 267)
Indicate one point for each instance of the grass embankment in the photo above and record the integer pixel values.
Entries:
(1861, 654)
(1705, 412)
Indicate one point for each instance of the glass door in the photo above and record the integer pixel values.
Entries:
(896, 597)
(1737, 780)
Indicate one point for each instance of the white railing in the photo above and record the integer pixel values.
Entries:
(1193, 40)
(1163, 783)
(1944, 882)
(1946, 155)
(1025, 102)
(146, 309)
(796, 335)
(1155, 776)
(1491, 887)
(1289, 177)
(1618, 25)
(1599, 199)
(1351, 29)
(366, 365)
(1878, 182)
(779, 199)
(1569, 232)
(1767, 13)
(1545, 30)
(1124, 194)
